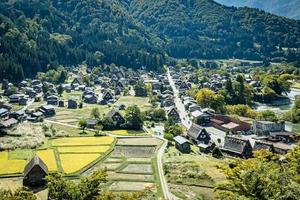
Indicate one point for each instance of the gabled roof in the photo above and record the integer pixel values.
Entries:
(235, 144)
(112, 113)
(195, 131)
(33, 162)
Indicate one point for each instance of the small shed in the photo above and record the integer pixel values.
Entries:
(35, 172)
(182, 144)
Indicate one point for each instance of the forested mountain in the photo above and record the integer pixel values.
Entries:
(36, 35)
(287, 8)
(206, 29)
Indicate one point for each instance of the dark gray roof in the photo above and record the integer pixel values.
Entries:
(195, 131)
(33, 162)
(235, 144)
(3, 111)
(181, 140)
(111, 113)
(259, 145)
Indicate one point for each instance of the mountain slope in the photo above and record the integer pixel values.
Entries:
(286, 8)
(38, 35)
(206, 29)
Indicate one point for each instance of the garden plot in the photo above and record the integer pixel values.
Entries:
(138, 169)
(145, 141)
(133, 177)
(132, 151)
(131, 186)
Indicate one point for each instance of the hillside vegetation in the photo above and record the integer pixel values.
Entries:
(38, 35)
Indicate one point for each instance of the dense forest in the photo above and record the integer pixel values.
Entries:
(290, 8)
(38, 35)
(206, 29)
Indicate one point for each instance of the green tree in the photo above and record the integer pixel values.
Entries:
(63, 76)
(95, 113)
(108, 124)
(267, 115)
(265, 176)
(82, 124)
(204, 97)
(60, 90)
(133, 118)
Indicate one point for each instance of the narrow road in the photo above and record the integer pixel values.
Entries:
(179, 105)
(164, 185)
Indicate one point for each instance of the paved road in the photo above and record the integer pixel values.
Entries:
(167, 194)
(185, 120)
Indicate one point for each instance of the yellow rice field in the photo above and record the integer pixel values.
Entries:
(48, 158)
(83, 149)
(74, 162)
(83, 141)
(10, 166)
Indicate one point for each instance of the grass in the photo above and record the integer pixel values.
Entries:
(74, 94)
(49, 159)
(296, 85)
(71, 130)
(128, 132)
(20, 154)
(83, 149)
(142, 102)
(72, 163)
(83, 141)
(202, 172)
(10, 166)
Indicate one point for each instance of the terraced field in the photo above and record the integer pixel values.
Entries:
(131, 165)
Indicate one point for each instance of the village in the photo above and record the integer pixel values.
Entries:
(128, 122)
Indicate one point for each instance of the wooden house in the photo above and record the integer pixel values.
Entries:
(47, 110)
(52, 100)
(115, 116)
(260, 145)
(3, 112)
(198, 134)
(72, 104)
(172, 112)
(107, 96)
(91, 123)
(14, 98)
(35, 172)
(182, 144)
(90, 99)
(237, 147)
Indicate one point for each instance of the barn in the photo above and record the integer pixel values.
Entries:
(35, 172)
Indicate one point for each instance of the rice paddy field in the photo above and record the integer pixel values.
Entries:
(72, 163)
(68, 155)
(8, 166)
(49, 159)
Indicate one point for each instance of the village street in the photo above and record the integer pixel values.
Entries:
(185, 120)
